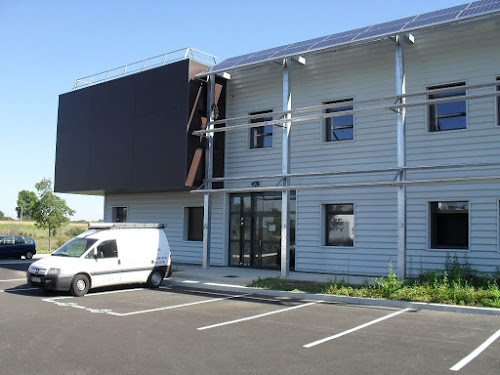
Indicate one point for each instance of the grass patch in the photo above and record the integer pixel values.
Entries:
(438, 287)
(41, 236)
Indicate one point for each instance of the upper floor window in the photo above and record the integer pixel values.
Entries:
(261, 136)
(120, 214)
(340, 128)
(339, 224)
(449, 225)
(448, 115)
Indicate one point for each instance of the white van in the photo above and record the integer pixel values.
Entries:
(106, 254)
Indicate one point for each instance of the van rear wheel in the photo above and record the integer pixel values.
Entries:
(155, 279)
(80, 285)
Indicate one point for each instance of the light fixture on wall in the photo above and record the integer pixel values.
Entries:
(255, 183)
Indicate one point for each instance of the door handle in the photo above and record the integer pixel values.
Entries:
(119, 261)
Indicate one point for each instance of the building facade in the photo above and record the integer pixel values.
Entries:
(384, 150)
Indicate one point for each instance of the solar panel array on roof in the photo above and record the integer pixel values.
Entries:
(457, 13)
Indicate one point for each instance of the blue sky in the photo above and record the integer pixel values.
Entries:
(47, 45)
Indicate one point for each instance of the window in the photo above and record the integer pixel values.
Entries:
(20, 240)
(8, 240)
(340, 128)
(263, 135)
(107, 249)
(120, 214)
(194, 224)
(449, 115)
(339, 224)
(449, 225)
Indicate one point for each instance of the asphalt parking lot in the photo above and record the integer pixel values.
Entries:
(183, 330)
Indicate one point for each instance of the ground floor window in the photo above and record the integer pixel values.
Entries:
(339, 224)
(255, 230)
(194, 223)
(449, 225)
(120, 214)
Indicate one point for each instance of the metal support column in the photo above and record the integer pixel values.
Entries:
(285, 169)
(401, 158)
(209, 158)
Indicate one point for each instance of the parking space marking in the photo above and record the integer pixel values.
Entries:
(476, 352)
(7, 280)
(176, 306)
(57, 301)
(310, 345)
(258, 316)
(94, 294)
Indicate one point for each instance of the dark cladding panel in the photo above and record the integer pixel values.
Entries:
(157, 160)
(73, 154)
(125, 135)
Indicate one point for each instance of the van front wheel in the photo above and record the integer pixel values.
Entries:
(80, 285)
(155, 279)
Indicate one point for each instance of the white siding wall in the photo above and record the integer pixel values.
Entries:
(467, 53)
(169, 208)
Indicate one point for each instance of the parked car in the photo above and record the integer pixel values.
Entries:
(106, 254)
(17, 246)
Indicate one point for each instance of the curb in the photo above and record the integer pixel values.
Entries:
(218, 286)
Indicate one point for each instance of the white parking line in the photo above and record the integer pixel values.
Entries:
(310, 345)
(175, 306)
(258, 316)
(7, 280)
(95, 294)
(476, 352)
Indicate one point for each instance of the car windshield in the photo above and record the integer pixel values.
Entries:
(74, 248)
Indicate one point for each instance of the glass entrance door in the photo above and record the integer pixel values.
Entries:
(255, 230)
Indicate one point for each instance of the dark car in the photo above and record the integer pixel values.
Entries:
(17, 246)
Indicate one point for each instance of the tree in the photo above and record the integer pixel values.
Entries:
(1, 215)
(25, 202)
(50, 211)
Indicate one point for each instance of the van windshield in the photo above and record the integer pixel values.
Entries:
(74, 248)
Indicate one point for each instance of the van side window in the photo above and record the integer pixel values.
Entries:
(107, 249)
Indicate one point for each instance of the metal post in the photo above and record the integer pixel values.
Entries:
(401, 158)
(209, 155)
(285, 169)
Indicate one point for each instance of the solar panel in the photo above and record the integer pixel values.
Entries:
(461, 12)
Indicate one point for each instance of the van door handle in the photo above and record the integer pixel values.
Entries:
(119, 261)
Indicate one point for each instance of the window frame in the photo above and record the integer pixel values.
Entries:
(187, 223)
(114, 214)
(431, 108)
(324, 225)
(430, 226)
(261, 129)
(325, 124)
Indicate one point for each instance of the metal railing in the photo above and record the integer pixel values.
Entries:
(146, 64)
